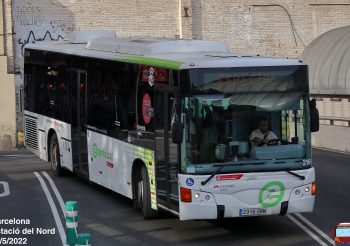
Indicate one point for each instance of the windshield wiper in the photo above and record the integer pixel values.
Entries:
(296, 175)
(212, 175)
(221, 167)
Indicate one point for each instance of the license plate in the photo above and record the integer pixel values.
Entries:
(252, 211)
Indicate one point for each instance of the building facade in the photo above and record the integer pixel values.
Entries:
(7, 86)
(279, 28)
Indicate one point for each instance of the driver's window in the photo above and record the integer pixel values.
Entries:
(292, 123)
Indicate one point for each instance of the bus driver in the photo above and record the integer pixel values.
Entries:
(262, 135)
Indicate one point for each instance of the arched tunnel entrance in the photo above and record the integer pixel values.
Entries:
(328, 57)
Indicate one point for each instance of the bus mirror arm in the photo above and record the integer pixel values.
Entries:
(177, 132)
(314, 117)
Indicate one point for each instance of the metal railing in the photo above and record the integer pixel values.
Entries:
(333, 119)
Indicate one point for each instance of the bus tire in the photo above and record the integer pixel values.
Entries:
(143, 195)
(55, 156)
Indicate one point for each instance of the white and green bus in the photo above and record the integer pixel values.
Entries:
(167, 123)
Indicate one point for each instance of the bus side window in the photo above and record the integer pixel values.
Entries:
(56, 81)
(111, 106)
(121, 84)
(95, 95)
(36, 97)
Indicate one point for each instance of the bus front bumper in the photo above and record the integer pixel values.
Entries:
(233, 199)
(206, 205)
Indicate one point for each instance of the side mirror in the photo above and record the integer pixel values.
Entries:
(314, 117)
(177, 132)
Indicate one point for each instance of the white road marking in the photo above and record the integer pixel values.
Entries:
(18, 155)
(304, 228)
(57, 193)
(306, 221)
(53, 209)
(6, 189)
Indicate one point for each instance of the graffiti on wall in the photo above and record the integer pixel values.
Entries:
(60, 26)
(40, 20)
(32, 39)
(29, 15)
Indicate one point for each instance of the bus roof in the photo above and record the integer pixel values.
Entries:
(166, 53)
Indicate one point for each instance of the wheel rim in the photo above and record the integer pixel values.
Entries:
(140, 193)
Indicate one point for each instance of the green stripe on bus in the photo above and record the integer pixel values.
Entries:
(152, 62)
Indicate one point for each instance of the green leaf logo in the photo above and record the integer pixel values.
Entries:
(271, 194)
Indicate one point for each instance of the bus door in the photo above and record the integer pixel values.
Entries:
(78, 94)
(167, 153)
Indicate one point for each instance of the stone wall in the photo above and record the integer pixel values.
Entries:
(7, 87)
(278, 28)
(7, 107)
(281, 28)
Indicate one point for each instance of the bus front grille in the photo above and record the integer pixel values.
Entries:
(31, 133)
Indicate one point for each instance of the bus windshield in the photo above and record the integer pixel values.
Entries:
(248, 131)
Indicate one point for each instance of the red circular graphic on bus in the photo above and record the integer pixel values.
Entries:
(146, 108)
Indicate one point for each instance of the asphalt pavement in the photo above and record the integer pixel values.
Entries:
(33, 196)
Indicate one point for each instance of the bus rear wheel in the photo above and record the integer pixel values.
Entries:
(55, 156)
(143, 195)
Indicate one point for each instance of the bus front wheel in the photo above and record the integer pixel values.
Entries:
(55, 156)
(143, 195)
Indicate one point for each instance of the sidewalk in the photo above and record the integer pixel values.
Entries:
(19, 150)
